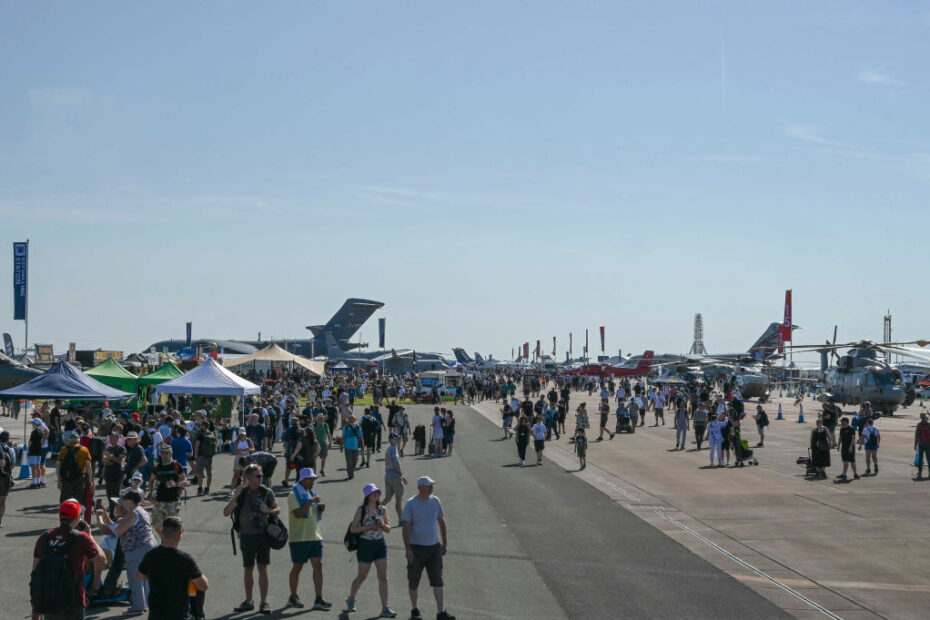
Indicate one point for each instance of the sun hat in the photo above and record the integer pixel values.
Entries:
(242, 431)
(132, 435)
(306, 472)
(370, 488)
(425, 481)
(395, 436)
(36, 421)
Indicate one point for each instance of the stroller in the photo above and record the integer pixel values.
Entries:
(744, 453)
(808, 462)
(623, 424)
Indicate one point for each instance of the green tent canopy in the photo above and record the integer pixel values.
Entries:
(112, 374)
(163, 373)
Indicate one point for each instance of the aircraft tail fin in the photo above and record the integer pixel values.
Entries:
(461, 356)
(333, 351)
(646, 362)
(478, 358)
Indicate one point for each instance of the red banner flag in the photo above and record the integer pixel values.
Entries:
(526, 350)
(602, 338)
(553, 346)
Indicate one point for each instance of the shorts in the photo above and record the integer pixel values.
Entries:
(371, 550)
(428, 557)
(660, 411)
(369, 440)
(324, 450)
(6, 483)
(539, 444)
(847, 456)
(302, 551)
(35, 460)
(42, 461)
(508, 421)
(204, 466)
(603, 419)
(255, 550)
(393, 487)
(449, 439)
(236, 465)
(162, 510)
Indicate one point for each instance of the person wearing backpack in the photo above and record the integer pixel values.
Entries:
(205, 448)
(762, 420)
(250, 506)
(7, 458)
(73, 472)
(56, 585)
(922, 445)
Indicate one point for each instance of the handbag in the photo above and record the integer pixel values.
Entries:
(350, 540)
(276, 532)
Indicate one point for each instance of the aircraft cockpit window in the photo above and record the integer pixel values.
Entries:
(883, 379)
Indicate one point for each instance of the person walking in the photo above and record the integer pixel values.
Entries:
(762, 420)
(74, 473)
(438, 435)
(659, 403)
(681, 426)
(394, 479)
(167, 480)
(425, 544)
(250, 506)
(869, 440)
(371, 523)
(715, 439)
(242, 446)
(7, 458)
(922, 445)
(604, 411)
(522, 435)
(539, 440)
(507, 413)
(820, 448)
(76, 547)
(206, 444)
(402, 427)
(134, 530)
(305, 510)
(581, 448)
(448, 432)
(581, 417)
(847, 448)
(170, 574)
(352, 441)
(324, 438)
(114, 455)
(699, 419)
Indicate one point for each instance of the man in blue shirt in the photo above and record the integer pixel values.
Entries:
(181, 446)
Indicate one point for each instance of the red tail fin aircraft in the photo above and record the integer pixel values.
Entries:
(609, 370)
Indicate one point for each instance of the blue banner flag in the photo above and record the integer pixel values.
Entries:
(20, 274)
(189, 324)
(381, 323)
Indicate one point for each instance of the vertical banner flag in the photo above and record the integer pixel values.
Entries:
(511, 353)
(526, 350)
(569, 344)
(381, 325)
(586, 342)
(602, 338)
(553, 346)
(20, 276)
(8, 344)
(538, 350)
(190, 326)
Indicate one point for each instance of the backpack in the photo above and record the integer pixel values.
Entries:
(241, 500)
(275, 532)
(70, 471)
(350, 540)
(925, 433)
(763, 419)
(51, 585)
(146, 440)
(96, 449)
(207, 445)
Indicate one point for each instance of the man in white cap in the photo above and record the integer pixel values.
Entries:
(425, 542)
(305, 511)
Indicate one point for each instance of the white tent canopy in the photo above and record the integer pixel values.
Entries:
(274, 353)
(208, 379)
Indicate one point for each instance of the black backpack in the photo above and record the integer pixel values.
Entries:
(350, 540)
(207, 445)
(146, 440)
(51, 585)
(96, 449)
(69, 471)
(763, 419)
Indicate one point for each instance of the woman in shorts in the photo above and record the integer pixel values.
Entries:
(371, 523)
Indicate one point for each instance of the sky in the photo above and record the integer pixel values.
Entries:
(495, 172)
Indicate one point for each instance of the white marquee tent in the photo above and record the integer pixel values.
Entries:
(274, 353)
(209, 379)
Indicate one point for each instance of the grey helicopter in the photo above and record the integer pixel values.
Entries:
(863, 374)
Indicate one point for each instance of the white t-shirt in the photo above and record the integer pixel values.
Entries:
(539, 432)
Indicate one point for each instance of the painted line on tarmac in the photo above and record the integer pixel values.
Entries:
(750, 567)
(565, 462)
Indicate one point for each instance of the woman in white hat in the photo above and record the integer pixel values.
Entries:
(242, 447)
(371, 523)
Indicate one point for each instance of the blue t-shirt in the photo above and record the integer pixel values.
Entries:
(181, 447)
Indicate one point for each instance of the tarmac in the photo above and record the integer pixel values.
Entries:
(524, 542)
(814, 548)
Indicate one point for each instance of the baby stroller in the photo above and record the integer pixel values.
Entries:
(744, 454)
(808, 463)
(623, 423)
(419, 439)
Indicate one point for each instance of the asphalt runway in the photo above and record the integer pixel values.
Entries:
(524, 542)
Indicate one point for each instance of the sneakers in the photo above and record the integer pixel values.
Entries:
(415, 614)
(522, 463)
(245, 606)
(294, 601)
(612, 435)
(264, 608)
(444, 615)
(855, 476)
(387, 612)
(319, 603)
(350, 604)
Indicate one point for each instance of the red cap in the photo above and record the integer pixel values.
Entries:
(70, 509)
(135, 416)
(106, 403)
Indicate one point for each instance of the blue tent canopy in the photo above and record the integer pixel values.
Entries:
(65, 382)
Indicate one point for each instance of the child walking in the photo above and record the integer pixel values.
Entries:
(581, 447)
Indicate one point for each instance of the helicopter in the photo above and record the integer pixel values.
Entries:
(863, 375)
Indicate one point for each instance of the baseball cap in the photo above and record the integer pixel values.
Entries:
(69, 509)
(395, 436)
(425, 481)
(106, 403)
(69, 436)
(137, 476)
(36, 421)
(242, 431)
(370, 488)
(306, 472)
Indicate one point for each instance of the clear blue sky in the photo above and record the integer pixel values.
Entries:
(495, 172)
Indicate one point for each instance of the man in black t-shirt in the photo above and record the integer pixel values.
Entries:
(170, 571)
